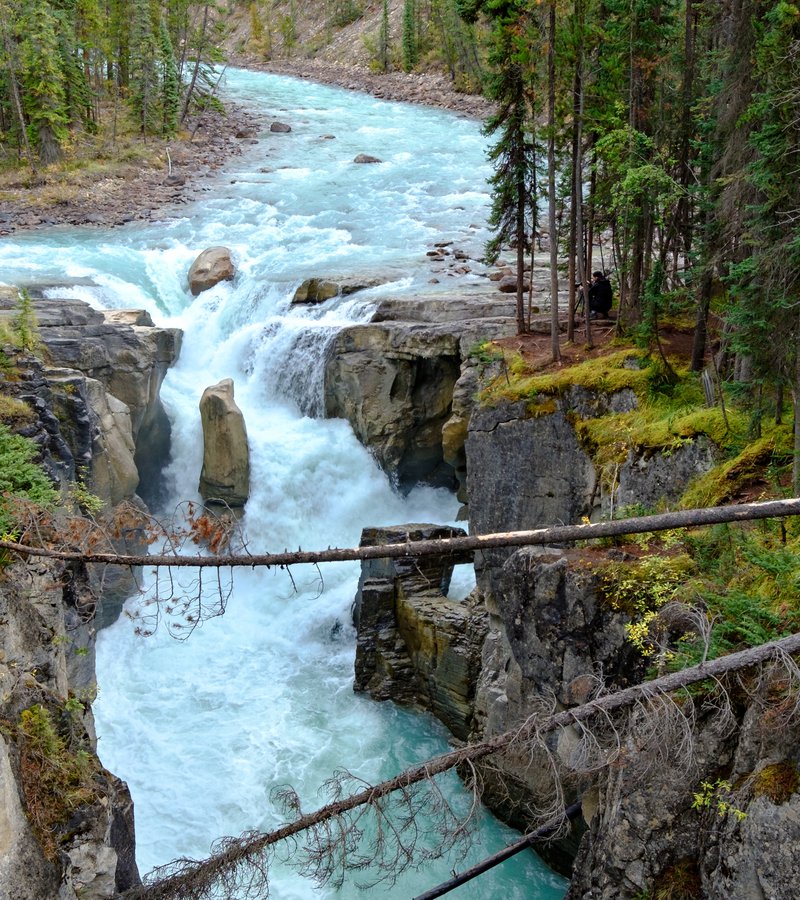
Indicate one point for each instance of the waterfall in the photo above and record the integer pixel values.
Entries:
(204, 730)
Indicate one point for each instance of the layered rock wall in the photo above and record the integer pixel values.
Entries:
(93, 411)
(129, 357)
(46, 664)
(415, 645)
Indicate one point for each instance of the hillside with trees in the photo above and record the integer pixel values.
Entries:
(663, 137)
(657, 140)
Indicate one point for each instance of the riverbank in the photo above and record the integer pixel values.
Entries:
(133, 180)
(427, 89)
(138, 180)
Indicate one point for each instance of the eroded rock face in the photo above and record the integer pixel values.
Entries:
(523, 473)
(647, 479)
(47, 610)
(394, 384)
(646, 832)
(97, 426)
(211, 266)
(415, 646)
(129, 360)
(226, 457)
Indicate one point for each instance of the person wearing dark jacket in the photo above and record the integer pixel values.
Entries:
(601, 296)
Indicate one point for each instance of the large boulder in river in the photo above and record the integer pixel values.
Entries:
(226, 458)
(211, 266)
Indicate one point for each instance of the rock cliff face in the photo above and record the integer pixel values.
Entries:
(395, 386)
(128, 357)
(66, 824)
(552, 641)
(49, 847)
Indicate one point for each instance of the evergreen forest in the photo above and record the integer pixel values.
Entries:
(660, 139)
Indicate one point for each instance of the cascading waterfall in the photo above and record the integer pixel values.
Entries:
(204, 730)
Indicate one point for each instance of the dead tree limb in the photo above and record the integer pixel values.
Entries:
(196, 879)
(560, 534)
(530, 840)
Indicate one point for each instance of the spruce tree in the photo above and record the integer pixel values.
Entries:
(41, 79)
(143, 94)
(513, 153)
(170, 84)
(410, 45)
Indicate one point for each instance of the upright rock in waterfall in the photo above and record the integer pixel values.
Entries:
(226, 457)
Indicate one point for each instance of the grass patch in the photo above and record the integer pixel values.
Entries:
(759, 460)
(56, 779)
(15, 413)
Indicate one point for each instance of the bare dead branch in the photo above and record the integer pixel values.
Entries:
(241, 864)
(442, 546)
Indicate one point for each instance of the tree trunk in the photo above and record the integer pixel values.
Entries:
(687, 518)
(551, 185)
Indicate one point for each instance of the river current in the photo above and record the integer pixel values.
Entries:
(204, 730)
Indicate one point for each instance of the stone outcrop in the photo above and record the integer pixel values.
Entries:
(395, 387)
(318, 290)
(646, 833)
(415, 645)
(523, 472)
(46, 659)
(97, 427)
(225, 477)
(129, 357)
(211, 266)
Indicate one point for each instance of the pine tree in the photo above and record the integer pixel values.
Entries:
(410, 46)
(41, 79)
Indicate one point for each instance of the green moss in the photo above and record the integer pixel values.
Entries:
(605, 373)
(750, 465)
(778, 782)
(57, 778)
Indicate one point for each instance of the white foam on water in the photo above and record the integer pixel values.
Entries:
(204, 730)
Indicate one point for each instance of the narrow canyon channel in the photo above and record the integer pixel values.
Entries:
(204, 730)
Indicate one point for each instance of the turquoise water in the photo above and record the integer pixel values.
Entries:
(205, 730)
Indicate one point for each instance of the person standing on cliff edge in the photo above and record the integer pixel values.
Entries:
(601, 296)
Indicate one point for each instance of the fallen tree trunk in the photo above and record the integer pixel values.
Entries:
(195, 879)
(559, 534)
